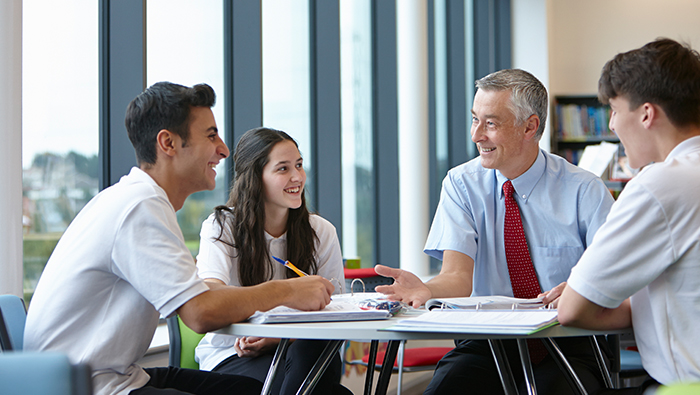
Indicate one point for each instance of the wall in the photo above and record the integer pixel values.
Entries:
(11, 147)
(583, 35)
(529, 38)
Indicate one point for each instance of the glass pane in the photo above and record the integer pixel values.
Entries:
(178, 53)
(441, 139)
(60, 123)
(356, 132)
(285, 74)
(441, 100)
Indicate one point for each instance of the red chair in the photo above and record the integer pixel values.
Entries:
(411, 360)
(407, 359)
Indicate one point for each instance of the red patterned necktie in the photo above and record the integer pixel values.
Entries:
(523, 278)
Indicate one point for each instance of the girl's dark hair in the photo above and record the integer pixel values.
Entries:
(247, 222)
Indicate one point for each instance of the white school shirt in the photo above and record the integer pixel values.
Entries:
(649, 249)
(121, 264)
(218, 260)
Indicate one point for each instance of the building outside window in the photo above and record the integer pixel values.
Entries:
(189, 56)
(60, 115)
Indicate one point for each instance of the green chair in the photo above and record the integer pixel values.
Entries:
(679, 389)
(183, 341)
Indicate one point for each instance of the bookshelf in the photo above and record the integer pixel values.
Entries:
(579, 121)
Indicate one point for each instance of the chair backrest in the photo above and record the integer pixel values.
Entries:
(13, 316)
(39, 373)
(183, 341)
(369, 279)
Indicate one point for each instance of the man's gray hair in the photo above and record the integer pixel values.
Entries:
(528, 95)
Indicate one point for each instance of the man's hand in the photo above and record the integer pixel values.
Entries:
(552, 296)
(251, 347)
(407, 287)
(308, 293)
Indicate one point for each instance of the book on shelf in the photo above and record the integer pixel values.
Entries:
(343, 307)
(496, 302)
(511, 322)
(579, 122)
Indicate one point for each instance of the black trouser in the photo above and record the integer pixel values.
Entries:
(301, 357)
(470, 369)
(178, 381)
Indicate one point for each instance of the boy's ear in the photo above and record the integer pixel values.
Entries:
(649, 114)
(166, 142)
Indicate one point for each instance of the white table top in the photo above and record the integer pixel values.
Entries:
(376, 330)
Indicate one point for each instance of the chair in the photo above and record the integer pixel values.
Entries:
(183, 341)
(40, 373)
(13, 316)
(407, 359)
(679, 389)
(34, 372)
(626, 367)
(411, 360)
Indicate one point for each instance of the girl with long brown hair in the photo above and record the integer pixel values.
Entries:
(266, 216)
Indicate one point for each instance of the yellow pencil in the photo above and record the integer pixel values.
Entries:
(291, 267)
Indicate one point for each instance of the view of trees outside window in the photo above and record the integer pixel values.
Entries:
(285, 75)
(60, 132)
(189, 56)
(356, 131)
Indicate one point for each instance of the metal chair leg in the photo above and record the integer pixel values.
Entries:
(564, 365)
(320, 367)
(272, 372)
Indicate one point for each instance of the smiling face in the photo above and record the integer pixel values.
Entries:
(503, 144)
(203, 151)
(627, 124)
(283, 179)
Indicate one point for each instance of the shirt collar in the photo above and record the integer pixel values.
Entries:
(526, 182)
(686, 146)
(271, 238)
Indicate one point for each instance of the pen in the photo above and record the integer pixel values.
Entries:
(291, 267)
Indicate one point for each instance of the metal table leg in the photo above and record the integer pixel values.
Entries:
(527, 367)
(320, 367)
(503, 367)
(564, 365)
(387, 367)
(604, 371)
(272, 372)
(371, 362)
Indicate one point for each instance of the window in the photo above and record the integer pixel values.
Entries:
(60, 139)
(356, 131)
(178, 53)
(285, 75)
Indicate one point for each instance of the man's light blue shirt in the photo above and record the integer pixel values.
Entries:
(561, 205)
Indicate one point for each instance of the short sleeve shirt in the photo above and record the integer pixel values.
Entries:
(649, 250)
(217, 259)
(561, 205)
(120, 265)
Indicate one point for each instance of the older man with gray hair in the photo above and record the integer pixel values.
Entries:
(512, 222)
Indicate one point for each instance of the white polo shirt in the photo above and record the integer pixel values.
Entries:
(649, 249)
